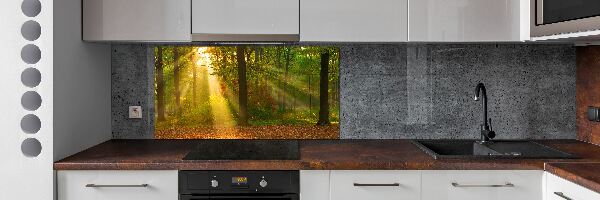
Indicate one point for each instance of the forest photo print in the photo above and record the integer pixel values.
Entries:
(246, 92)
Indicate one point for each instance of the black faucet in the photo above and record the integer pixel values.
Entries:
(486, 129)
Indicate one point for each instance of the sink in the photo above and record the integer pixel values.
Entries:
(440, 149)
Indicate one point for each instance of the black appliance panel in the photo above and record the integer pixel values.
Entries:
(245, 150)
(554, 11)
(247, 197)
(238, 182)
(191, 180)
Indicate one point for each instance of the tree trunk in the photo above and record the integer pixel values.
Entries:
(258, 68)
(194, 77)
(309, 94)
(285, 76)
(279, 92)
(323, 91)
(243, 87)
(160, 85)
(176, 69)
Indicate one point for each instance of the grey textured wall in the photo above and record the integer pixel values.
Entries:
(412, 91)
(426, 91)
(132, 85)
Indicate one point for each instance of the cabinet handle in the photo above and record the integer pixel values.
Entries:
(115, 186)
(492, 185)
(560, 194)
(376, 184)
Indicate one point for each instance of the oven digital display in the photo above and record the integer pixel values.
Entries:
(239, 180)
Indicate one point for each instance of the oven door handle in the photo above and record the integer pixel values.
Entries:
(192, 197)
(249, 197)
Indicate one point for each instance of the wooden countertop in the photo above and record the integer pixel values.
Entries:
(314, 154)
(332, 155)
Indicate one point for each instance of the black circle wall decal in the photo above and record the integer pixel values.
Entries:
(31, 147)
(31, 30)
(31, 54)
(31, 8)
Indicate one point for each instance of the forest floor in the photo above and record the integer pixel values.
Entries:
(252, 132)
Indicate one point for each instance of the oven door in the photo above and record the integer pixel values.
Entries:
(240, 197)
(552, 17)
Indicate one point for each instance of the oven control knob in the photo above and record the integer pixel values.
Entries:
(214, 183)
(263, 183)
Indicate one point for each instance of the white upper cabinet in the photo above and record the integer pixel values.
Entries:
(136, 20)
(468, 20)
(353, 20)
(307, 20)
(245, 20)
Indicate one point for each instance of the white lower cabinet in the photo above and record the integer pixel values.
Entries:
(341, 185)
(560, 189)
(117, 185)
(421, 185)
(314, 184)
(482, 185)
(375, 185)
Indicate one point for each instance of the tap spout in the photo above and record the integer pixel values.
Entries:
(480, 89)
(486, 133)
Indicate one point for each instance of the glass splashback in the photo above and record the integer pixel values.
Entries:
(246, 92)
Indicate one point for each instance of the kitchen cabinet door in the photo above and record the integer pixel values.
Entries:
(245, 20)
(560, 189)
(482, 184)
(314, 184)
(117, 185)
(353, 20)
(375, 185)
(468, 20)
(136, 20)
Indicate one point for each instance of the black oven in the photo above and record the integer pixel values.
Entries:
(240, 197)
(238, 185)
(553, 17)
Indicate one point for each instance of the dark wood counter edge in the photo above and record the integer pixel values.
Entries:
(340, 155)
(294, 166)
(566, 170)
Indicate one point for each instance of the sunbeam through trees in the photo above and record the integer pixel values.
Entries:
(247, 92)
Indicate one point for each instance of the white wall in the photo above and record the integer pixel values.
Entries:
(24, 177)
(81, 85)
(82, 89)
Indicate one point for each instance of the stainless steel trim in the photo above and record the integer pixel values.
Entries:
(539, 12)
(251, 43)
(376, 184)
(491, 185)
(560, 194)
(573, 26)
(245, 37)
(115, 186)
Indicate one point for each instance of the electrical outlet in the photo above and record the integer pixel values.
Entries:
(593, 114)
(135, 112)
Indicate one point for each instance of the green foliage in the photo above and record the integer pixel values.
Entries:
(283, 85)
